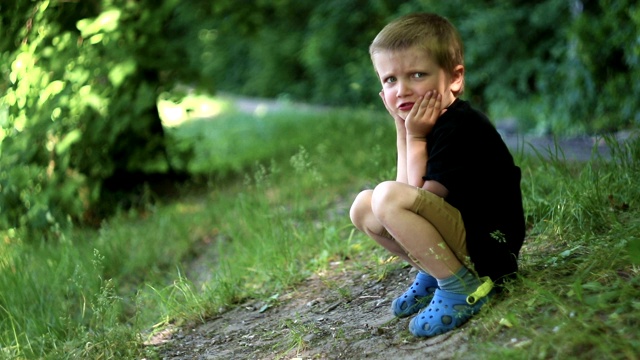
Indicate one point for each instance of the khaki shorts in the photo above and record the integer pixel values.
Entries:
(446, 219)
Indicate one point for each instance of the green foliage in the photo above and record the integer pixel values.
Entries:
(80, 103)
(557, 66)
(58, 294)
(36, 135)
(254, 49)
(336, 53)
(606, 52)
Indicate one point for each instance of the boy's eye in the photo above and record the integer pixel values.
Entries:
(419, 75)
(390, 79)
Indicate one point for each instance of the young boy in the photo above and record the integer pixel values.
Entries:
(455, 210)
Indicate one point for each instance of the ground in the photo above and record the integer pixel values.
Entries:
(344, 313)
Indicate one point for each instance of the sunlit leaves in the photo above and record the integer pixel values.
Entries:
(53, 88)
(120, 71)
(105, 22)
(68, 140)
(75, 105)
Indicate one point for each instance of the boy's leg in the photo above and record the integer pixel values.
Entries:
(417, 295)
(393, 206)
(363, 219)
(427, 229)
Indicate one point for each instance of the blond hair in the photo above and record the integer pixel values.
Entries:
(430, 32)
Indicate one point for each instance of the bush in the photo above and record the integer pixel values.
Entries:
(558, 66)
(80, 104)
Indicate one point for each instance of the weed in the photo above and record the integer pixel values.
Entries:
(296, 331)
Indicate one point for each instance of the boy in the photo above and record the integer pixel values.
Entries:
(455, 210)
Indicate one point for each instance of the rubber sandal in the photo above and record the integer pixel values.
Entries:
(448, 311)
(416, 297)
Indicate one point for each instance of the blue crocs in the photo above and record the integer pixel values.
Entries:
(413, 299)
(448, 311)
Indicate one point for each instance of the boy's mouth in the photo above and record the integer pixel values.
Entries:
(405, 106)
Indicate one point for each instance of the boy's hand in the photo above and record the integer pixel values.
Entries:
(423, 115)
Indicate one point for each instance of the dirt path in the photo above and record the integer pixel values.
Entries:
(579, 148)
(343, 314)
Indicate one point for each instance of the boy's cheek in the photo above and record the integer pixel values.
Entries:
(389, 98)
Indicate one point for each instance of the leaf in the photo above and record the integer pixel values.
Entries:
(22, 63)
(71, 138)
(568, 252)
(120, 72)
(54, 88)
(506, 322)
(96, 38)
(592, 285)
(105, 22)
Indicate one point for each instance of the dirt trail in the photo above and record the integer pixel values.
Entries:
(343, 314)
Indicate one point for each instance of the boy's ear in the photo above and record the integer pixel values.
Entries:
(457, 79)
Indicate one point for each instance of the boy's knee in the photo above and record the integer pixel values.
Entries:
(360, 209)
(383, 196)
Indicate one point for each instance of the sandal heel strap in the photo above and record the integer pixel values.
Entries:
(483, 290)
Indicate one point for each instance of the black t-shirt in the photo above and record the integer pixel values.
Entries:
(468, 157)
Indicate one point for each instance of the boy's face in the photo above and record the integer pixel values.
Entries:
(408, 74)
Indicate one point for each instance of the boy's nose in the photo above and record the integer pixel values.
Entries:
(403, 89)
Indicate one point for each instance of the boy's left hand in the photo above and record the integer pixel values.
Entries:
(423, 115)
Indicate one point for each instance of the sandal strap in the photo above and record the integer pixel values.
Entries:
(483, 290)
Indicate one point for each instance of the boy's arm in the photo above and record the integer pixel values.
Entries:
(417, 168)
(416, 160)
(436, 188)
(419, 123)
(401, 143)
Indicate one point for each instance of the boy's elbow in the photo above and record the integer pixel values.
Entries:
(436, 188)
(415, 181)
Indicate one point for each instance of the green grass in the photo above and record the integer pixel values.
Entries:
(578, 294)
(270, 207)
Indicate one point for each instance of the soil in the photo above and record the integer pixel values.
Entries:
(343, 313)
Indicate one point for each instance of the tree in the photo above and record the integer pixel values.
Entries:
(79, 113)
(605, 61)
